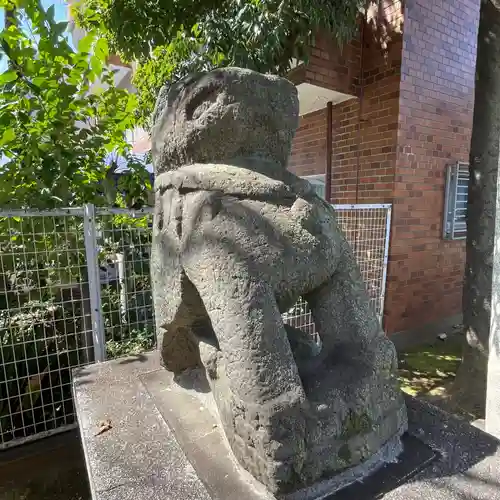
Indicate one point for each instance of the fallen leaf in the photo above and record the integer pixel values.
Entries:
(104, 426)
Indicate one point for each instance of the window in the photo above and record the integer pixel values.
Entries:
(318, 184)
(455, 203)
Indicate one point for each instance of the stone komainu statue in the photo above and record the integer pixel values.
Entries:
(237, 240)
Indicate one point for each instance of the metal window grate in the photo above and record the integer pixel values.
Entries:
(456, 194)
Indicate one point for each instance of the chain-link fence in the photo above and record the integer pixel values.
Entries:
(75, 288)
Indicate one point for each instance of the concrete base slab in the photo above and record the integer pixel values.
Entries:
(159, 450)
(190, 412)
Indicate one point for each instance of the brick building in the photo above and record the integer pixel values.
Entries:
(401, 109)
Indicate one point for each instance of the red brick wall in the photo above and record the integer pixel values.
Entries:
(364, 141)
(346, 135)
(364, 148)
(309, 146)
(333, 67)
(416, 98)
(435, 119)
(330, 66)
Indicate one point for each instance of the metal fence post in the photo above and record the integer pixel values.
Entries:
(385, 262)
(91, 251)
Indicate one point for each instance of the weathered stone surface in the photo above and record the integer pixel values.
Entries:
(237, 239)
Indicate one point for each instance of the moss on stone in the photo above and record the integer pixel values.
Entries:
(355, 424)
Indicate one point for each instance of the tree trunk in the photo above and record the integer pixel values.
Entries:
(470, 386)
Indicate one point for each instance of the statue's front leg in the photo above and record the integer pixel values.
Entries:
(254, 377)
(341, 309)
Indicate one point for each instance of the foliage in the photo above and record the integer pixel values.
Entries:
(138, 342)
(175, 37)
(168, 63)
(128, 189)
(60, 114)
(46, 342)
(127, 304)
(60, 117)
(263, 34)
(38, 255)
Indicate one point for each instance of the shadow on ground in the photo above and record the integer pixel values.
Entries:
(52, 468)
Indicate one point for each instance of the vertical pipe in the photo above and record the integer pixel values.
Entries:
(329, 138)
(360, 115)
(360, 107)
(447, 203)
(122, 280)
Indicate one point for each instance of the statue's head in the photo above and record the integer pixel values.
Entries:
(224, 114)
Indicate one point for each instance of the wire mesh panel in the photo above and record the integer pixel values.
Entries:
(45, 325)
(366, 228)
(127, 308)
(124, 241)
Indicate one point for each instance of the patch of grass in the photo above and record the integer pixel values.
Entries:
(428, 370)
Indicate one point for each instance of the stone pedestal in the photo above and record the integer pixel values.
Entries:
(165, 443)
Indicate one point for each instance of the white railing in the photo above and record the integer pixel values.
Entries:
(75, 288)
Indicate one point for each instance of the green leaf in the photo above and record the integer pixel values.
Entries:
(8, 136)
(39, 81)
(51, 12)
(196, 30)
(96, 65)
(60, 28)
(101, 49)
(7, 77)
(85, 43)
